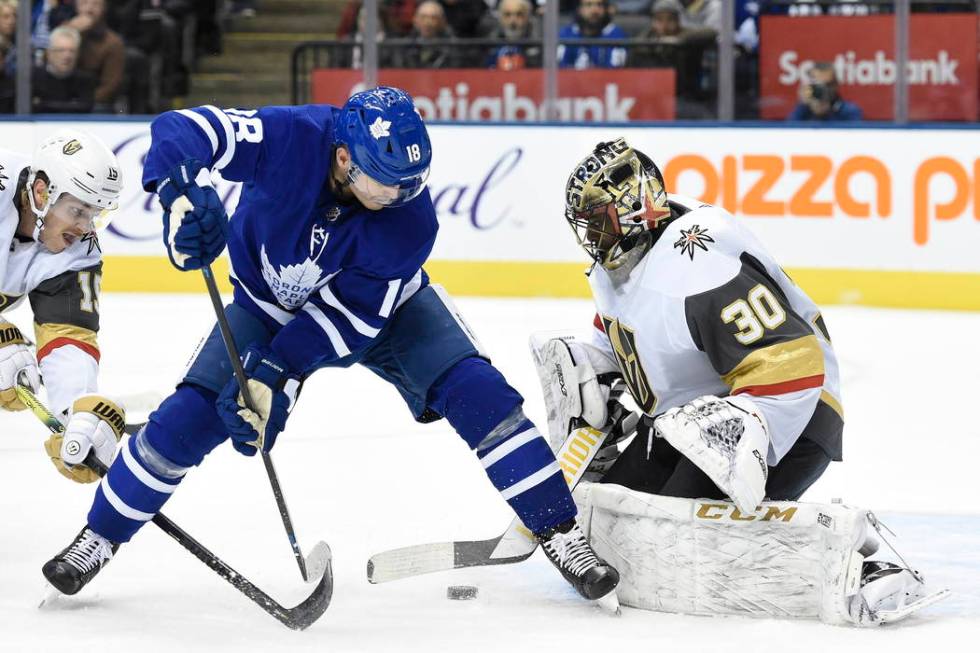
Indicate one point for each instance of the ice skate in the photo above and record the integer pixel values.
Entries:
(73, 568)
(890, 593)
(569, 551)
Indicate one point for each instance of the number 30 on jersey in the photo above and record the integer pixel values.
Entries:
(753, 315)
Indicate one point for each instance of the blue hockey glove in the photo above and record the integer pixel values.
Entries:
(273, 388)
(195, 224)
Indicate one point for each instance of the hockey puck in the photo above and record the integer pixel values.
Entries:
(461, 592)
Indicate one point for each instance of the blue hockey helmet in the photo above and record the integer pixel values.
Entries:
(388, 142)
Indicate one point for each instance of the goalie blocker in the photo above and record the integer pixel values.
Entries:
(783, 559)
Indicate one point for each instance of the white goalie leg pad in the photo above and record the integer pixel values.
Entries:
(567, 369)
(728, 439)
(784, 559)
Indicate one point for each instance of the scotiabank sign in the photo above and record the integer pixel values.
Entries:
(479, 95)
(941, 71)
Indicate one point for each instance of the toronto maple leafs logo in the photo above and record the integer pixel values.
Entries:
(691, 238)
(380, 128)
(291, 284)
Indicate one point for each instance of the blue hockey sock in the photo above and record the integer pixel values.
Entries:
(486, 412)
(133, 491)
(152, 463)
(522, 467)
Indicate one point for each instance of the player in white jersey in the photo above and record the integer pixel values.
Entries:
(733, 369)
(51, 207)
(706, 330)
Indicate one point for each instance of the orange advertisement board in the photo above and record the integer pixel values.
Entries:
(942, 67)
(496, 95)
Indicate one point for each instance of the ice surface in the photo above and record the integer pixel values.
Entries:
(360, 474)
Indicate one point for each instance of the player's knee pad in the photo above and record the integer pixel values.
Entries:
(475, 398)
(185, 427)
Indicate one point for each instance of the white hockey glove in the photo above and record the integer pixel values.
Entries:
(728, 439)
(575, 380)
(96, 423)
(17, 362)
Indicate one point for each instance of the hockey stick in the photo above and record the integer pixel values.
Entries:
(310, 567)
(516, 543)
(299, 617)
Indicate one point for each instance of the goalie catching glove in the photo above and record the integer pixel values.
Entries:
(96, 424)
(728, 439)
(273, 390)
(16, 364)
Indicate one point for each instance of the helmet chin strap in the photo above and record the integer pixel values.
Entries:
(39, 213)
(38, 226)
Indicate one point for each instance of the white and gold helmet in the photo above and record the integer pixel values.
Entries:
(79, 164)
(613, 197)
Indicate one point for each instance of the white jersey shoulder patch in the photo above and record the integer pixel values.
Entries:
(697, 252)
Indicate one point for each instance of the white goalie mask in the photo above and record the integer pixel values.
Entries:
(76, 163)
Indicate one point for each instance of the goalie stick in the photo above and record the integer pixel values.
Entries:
(299, 617)
(516, 543)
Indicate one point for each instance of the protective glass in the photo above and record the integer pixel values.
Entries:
(86, 216)
(374, 191)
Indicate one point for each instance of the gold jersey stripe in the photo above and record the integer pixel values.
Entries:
(777, 364)
(46, 333)
(832, 401)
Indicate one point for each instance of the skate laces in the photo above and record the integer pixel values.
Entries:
(88, 551)
(571, 551)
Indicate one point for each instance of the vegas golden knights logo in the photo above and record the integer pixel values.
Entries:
(623, 341)
(71, 147)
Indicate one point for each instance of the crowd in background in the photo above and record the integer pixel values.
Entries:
(107, 56)
(135, 55)
(677, 34)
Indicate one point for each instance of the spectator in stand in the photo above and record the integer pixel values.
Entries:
(58, 85)
(156, 63)
(593, 20)
(47, 15)
(397, 16)
(102, 53)
(516, 22)
(8, 85)
(352, 56)
(677, 47)
(468, 18)
(702, 13)
(207, 28)
(8, 34)
(820, 99)
(431, 36)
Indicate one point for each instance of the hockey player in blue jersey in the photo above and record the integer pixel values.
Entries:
(326, 246)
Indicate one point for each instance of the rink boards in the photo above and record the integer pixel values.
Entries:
(877, 216)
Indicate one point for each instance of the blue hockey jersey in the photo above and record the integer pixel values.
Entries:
(327, 276)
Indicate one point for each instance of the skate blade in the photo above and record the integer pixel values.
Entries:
(609, 604)
(51, 597)
(911, 608)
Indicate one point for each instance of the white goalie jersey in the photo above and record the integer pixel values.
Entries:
(707, 311)
(62, 289)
